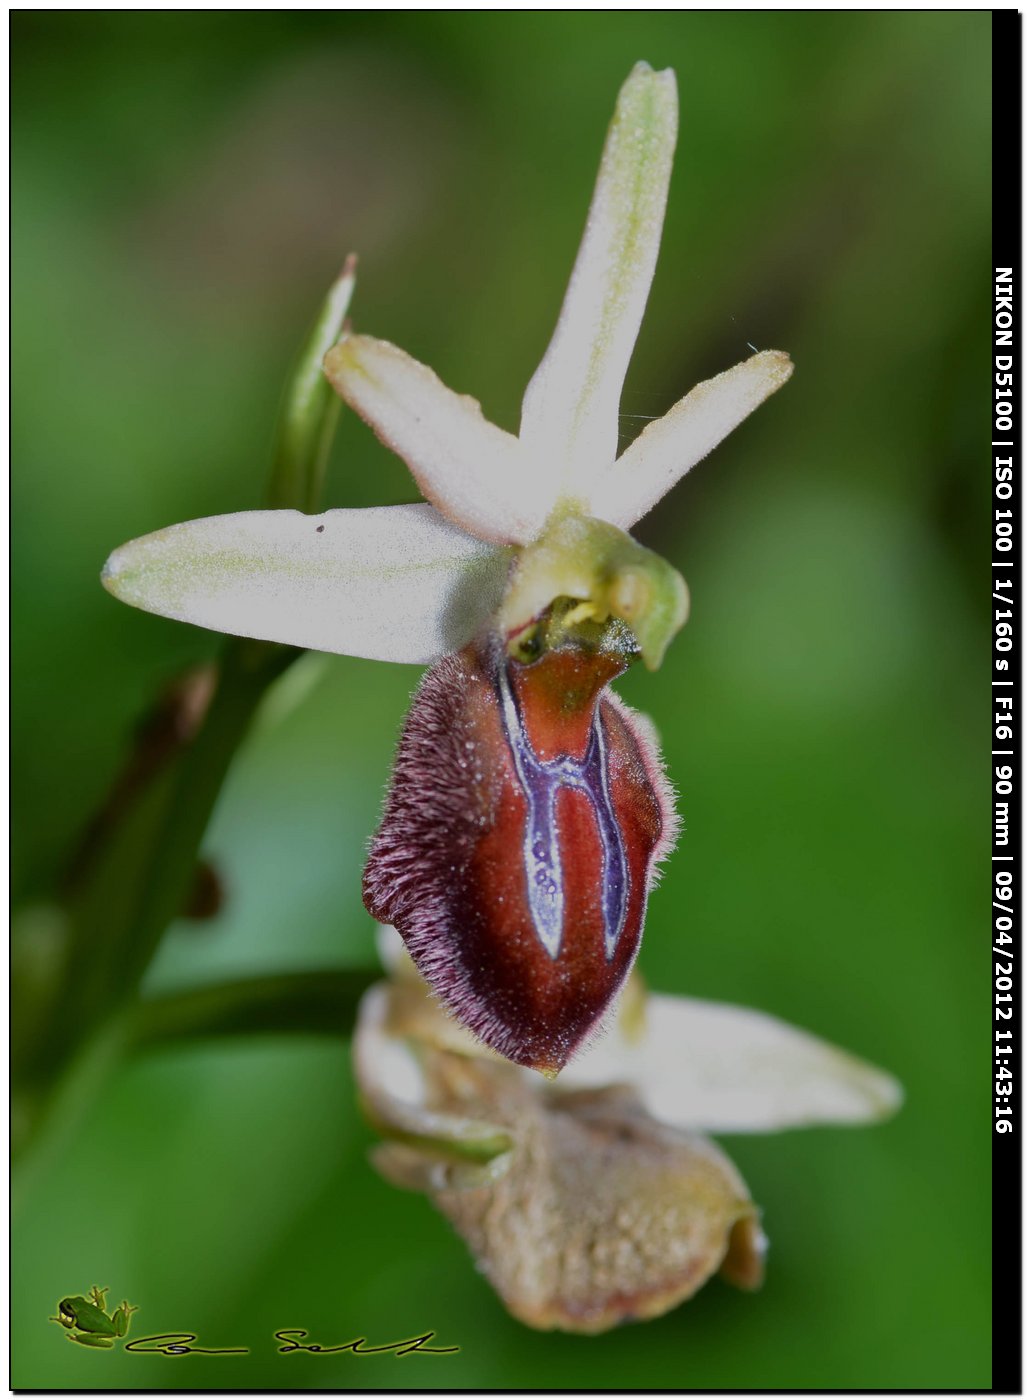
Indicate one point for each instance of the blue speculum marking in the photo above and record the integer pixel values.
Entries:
(540, 782)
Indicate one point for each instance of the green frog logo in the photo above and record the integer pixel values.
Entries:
(87, 1321)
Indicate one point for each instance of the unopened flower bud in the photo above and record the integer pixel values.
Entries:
(581, 1208)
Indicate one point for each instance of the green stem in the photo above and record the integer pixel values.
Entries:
(247, 670)
(139, 886)
(135, 894)
(138, 863)
(303, 1003)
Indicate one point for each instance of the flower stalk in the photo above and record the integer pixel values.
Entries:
(322, 1003)
(135, 869)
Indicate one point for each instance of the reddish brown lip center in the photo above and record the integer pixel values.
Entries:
(540, 782)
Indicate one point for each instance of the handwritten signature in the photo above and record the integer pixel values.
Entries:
(180, 1344)
(358, 1348)
(292, 1339)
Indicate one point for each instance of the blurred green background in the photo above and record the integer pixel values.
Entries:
(185, 186)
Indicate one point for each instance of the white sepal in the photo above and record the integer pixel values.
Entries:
(569, 417)
(392, 583)
(711, 1067)
(661, 454)
(473, 472)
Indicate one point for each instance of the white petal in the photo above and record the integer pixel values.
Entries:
(569, 419)
(707, 1066)
(660, 456)
(472, 471)
(393, 583)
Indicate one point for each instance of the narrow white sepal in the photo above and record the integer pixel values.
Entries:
(710, 1067)
(569, 417)
(661, 454)
(392, 583)
(473, 472)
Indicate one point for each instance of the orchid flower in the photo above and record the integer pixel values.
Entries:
(529, 811)
(596, 1200)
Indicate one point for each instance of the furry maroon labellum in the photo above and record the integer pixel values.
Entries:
(527, 812)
